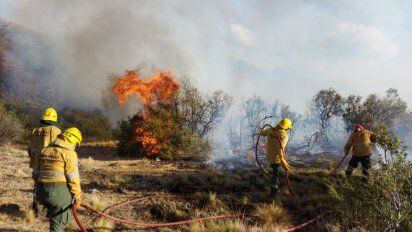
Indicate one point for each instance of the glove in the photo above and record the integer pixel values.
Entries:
(77, 201)
(285, 165)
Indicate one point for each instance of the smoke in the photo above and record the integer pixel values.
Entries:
(94, 41)
(283, 50)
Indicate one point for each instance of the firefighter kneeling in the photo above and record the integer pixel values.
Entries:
(58, 183)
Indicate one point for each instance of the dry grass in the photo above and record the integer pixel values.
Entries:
(220, 226)
(97, 203)
(273, 214)
(103, 225)
(87, 165)
(214, 201)
(203, 191)
(122, 180)
(16, 192)
(232, 226)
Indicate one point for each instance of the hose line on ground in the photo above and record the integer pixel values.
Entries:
(143, 225)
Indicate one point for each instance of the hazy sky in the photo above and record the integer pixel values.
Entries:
(285, 50)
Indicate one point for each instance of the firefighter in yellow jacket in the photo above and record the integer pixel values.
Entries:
(41, 137)
(58, 183)
(275, 156)
(360, 141)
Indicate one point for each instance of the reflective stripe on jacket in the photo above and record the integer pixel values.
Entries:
(360, 142)
(41, 137)
(273, 149)
(58, 163)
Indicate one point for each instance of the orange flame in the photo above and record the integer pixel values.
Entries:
(160, 87)
(148, 141)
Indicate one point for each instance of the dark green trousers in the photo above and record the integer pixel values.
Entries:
(57, 199)
(275, 180)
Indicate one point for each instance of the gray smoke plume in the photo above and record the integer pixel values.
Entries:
(94, 40)
(280, 50)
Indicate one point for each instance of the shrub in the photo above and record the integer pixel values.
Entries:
(93, 124)
(176, 129)
(385, 203)
(11, 128)
(160, 134)
(27, 113)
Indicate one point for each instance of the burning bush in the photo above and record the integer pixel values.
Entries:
(174, 121)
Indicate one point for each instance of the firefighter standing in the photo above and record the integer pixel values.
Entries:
(274, 152)
(360, 141)
(40, 138)
(58, 183)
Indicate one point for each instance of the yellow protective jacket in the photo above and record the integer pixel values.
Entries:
(41, 137)
(361, 143)
(273, 149)
(58, 163)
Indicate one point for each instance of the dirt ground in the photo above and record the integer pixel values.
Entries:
(178, 191)
(102, 177)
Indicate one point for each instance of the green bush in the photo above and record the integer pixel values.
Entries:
(93, 124)
(385, 203)
(28, 114)
(11, 129)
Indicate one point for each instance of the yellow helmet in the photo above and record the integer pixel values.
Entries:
(50, 114)
(286, 124)
(73, 135)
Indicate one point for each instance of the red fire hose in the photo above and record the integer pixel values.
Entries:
(300, 226)
(77, 218)
(283, 152)
(143, 225)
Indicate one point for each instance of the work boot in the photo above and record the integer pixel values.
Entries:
(348, 174)
(273, 191)
(35, 207)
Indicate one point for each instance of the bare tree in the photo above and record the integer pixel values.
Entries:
(202, 113)
(255, 110)
(234, 131)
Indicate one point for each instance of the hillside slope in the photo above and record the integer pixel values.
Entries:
(28, 66)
